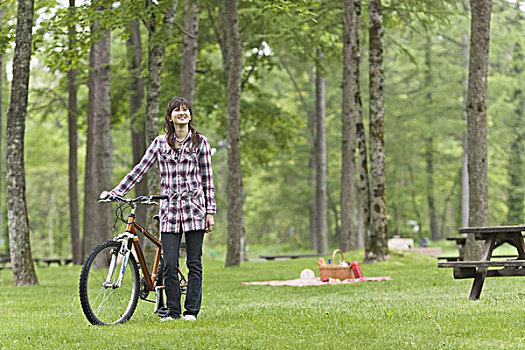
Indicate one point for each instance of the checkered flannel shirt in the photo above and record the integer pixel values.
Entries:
(187, 180)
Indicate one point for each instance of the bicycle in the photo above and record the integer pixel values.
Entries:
(110, 284)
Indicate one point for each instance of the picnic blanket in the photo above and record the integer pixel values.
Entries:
(315, 282)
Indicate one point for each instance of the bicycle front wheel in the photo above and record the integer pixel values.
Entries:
(105, 301)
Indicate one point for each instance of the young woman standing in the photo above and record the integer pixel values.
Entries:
(184, 160)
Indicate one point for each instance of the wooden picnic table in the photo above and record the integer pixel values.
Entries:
(493, 236)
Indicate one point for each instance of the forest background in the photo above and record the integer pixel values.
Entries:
(423, 56)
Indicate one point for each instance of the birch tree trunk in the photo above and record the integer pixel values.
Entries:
(188, 64)
(158, 37)
(477, 121)
(376, 248)
(233, 129)
(98, 218)
(320, 147)
(351, 107)
(18, 225)
(76, 246)
(137, 121)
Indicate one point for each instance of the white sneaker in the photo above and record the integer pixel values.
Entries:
(168, 318)
(189, 318)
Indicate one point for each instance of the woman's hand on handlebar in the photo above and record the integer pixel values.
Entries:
(104, 195)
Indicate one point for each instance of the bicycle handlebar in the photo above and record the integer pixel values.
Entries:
(142, 199)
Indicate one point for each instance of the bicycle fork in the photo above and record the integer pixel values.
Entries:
(122, 257)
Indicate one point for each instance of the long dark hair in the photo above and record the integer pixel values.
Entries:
(169, 128)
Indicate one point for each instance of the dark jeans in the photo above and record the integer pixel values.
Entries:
(170, 251)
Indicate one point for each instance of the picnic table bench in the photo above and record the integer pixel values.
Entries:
(478, 270)
(460, 241)
(290, 256)
(50, 261)
(5, 260)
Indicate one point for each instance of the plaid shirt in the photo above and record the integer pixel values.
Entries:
(188, 180)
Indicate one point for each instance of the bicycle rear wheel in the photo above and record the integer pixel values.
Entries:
(103, 301)
(183, 268)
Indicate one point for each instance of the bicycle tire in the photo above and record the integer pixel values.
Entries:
(117, 304)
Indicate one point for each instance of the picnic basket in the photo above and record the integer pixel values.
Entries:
(336, 271)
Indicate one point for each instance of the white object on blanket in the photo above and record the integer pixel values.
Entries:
(307, 275)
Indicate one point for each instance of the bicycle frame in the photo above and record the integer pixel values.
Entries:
(132, 228)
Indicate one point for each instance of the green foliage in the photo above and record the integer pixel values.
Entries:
(274, 111)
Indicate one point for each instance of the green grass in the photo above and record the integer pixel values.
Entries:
(423, 307)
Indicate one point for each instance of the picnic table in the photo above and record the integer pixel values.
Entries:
(478, 270)
(50, 261)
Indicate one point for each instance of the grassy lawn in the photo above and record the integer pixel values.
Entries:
(423, 307)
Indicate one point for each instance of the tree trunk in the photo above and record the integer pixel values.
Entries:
(516, 191)
(188, 64)
(360, 223)
(18, 225)
(429, 151)
(234, 183)
(413, 195)
(314, 213)
(51, 213)
(376, 248)
(76, 246)
(364, 182)
(464, 162)
(2, 233)
(320, 148)
(351, 107)
(98, 218)
(156, 51)
(477, 121)
(137, 121)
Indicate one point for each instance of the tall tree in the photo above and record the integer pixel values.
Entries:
(76, 246)
(464, 162)
(136, 98)
(98, 219)
(364, 178)
(477, 120)
(376, 248)
(158, 37)
(1, 126)
(516, 188)
(351, 107)
(18, 225)
(320, 160)
(429, 144)
(188, 64)
(312, 165)
(233, 135)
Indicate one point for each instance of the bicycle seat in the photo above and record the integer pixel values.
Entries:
(156, 217)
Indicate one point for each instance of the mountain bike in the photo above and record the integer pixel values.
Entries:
(114, 277)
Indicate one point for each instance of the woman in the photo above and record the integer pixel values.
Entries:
(184, 160)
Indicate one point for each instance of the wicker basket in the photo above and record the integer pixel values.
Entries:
(336, 271)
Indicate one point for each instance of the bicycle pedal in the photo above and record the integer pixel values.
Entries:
(163, 312)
